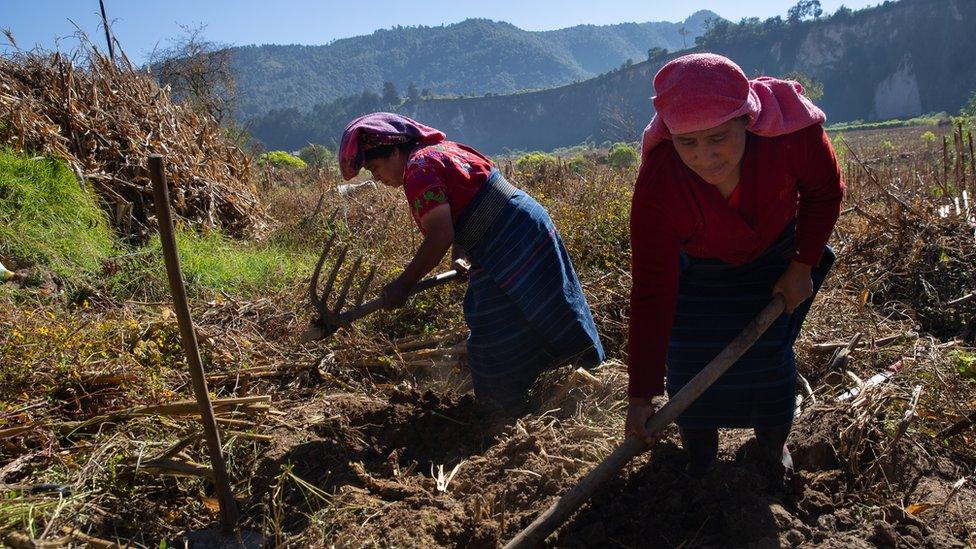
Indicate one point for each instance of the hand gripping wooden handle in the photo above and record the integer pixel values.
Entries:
(565, 506)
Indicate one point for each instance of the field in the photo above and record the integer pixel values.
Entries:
(371, 438)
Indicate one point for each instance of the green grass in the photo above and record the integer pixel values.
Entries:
(214, 262)
(924, 120)
(47, 220)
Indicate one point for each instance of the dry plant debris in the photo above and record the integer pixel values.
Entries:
(374, 440)
(104, 120)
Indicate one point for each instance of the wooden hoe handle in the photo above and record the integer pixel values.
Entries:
(565, 506)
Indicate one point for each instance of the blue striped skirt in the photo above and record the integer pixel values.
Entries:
(524, 305)
(716, 301)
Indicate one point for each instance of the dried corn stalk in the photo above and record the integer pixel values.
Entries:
(104, 120)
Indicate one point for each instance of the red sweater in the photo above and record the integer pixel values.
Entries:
(793, 176)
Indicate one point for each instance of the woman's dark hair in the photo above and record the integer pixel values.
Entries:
(385, 151)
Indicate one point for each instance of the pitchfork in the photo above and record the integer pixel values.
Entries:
(330, 319)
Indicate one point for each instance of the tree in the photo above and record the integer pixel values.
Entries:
(812, 89)
(412, 93)
(804, 9)
(198, 73)
(716, 31)
(843, 12)
(684, 37)
(656, 53)
(772, 24)
(390, 95)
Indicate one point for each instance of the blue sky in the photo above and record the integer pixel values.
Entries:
(142, 24)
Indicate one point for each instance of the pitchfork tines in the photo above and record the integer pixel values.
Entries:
(331, 318)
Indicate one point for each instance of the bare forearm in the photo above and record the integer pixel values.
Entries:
(430, 253)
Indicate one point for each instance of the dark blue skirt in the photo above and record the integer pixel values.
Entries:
(716, 301)
(524, 305)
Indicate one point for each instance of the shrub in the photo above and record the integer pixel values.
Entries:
(969, 109)
(317, 156)
(812, 89)
(535, 166)
(281, 159)
(928, 137)
(622, 156)
(536, 162)
(580, 164)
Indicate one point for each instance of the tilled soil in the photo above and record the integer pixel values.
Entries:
(375, 464)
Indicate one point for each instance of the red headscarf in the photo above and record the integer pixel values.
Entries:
(703, 90)
(379, 128)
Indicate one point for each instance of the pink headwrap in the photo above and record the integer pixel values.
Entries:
(703, 90)
(379, 128)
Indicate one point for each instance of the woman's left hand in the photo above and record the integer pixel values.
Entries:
(795, 285)
(395, 295)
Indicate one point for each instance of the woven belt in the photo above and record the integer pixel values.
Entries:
(489, 201)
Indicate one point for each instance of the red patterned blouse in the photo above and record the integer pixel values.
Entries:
(444, 173)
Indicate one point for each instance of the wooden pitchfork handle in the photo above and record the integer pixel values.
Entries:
(563, 508)
(370, 307)
(320, 331)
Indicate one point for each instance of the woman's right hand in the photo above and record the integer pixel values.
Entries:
(395, 294)
(639, 410)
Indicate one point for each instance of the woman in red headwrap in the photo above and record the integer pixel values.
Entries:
(524, 306)
(737, 194)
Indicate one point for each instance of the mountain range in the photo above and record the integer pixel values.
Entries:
(473, 57)
(895, 60)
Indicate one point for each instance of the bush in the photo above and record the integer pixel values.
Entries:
(928, 137)
(622, 156)
(281, 159)
(969, 109)
(47, 220)
(535, 161)
(580, 164)
(317, 156)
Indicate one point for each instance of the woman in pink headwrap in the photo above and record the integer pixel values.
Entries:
(736, 197)
(524, 306)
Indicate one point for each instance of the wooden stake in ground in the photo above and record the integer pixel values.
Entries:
(565, 506)
(108, 32)
(228, 508)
